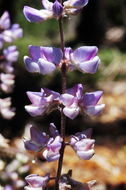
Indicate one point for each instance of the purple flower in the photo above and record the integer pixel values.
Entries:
(75, 102)
(83, 144)
(42, 59)
(84, 59)
(42, 102)
(51, 10)
(11, 54)
(38, 140)
(36, 182)
(53, 147)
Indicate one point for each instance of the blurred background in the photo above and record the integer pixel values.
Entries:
(101, 23)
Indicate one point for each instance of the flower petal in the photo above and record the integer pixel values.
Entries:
(92, 98)
(51, 54)
(34, 15)
(46, 67)
(84, 53)
(47, 4)
(94, 110)
(67, 99)
(5, 21)
(71, 112)
(57, 9)
(35, 110)
(85, 155)
(90, 66)
(30, 65)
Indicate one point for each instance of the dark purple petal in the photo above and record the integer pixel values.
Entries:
(92, 98)
(29, 145)
(90, 66)
(38, 136)
(35, 52)
(57, 9)
(45, 67)
(33, 15)
(94, 110)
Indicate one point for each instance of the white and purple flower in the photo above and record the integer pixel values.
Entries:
(36, 182)
(74, 102)
(42, 102)
(52, 151)
(84, 59)
(83, 144)
(51, 10)
(43, 60)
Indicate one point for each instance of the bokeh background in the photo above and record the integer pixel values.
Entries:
(101, 23)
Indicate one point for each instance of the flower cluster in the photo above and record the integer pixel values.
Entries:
(45, 60)
(8, 55)
(73, 101)
(54, 10)
(51, 144)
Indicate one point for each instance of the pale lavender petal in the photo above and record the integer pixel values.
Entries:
(94, 110)
(35, 180)
(86, 155)
(47, 4)
(84, 144)
(46, 67)
(35, 97)
(84, 134)
(90, 66)
(51, 156)
(68, 51)
(17, 32)
(92, 98)
(11, 53)
(30, 65)
(51, 54)
(57, 9)
(55, 95)
(34, 110)
(71, 112)
(84, 53)
(5, 21)
(33, 15)
(67, 99)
